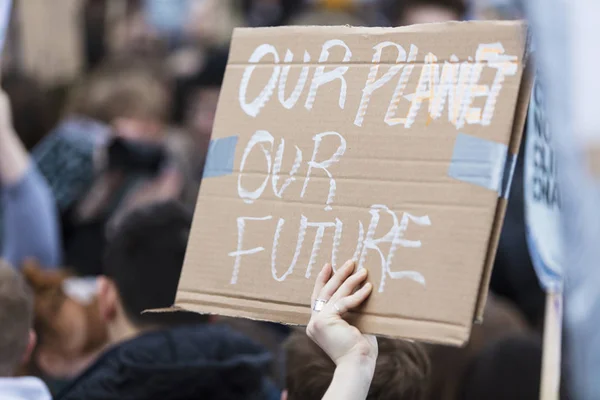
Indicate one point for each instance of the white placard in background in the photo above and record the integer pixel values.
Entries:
(542, 196)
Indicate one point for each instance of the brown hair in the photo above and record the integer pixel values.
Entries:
(51, 314)
(122, 87)
(401, 372)
(16, 318)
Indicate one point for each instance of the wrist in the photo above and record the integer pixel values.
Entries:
(360, 363)
(360, 355)
(353, 377)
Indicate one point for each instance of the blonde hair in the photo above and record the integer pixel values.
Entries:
(124, 87)
(16, 318)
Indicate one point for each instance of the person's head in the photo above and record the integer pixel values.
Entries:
(413, 12)
(401, 372)
(142, 264)
(69, 329)
(131, 94)
(17, 338)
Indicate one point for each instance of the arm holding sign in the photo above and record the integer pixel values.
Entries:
(30, 222)
(353, 353)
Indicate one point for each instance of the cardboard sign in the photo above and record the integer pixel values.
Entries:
(542, 196)
(392, 146)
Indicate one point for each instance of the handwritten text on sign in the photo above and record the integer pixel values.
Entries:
(454, 84)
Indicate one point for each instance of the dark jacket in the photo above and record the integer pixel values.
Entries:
(192, 362)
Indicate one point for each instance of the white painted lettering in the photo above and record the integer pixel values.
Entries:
(505, 65)
(445, 88)
(337, 237)
(399, 241)
(373, 84)
(390, 117)
(299, 242)
(425, 88)
(321, 226)
(325, 164)
(468, 87)
(295, 95)
(241, 225)
(253, 108)
(394, 237)
(259, 137)
(321, 77)
(277, 168)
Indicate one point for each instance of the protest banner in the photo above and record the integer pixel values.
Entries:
(392, 146)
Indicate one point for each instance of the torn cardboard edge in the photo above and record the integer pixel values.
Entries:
(342, 31)
(446, 333)
(520, 115)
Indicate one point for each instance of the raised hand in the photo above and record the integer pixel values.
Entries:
(334, 295)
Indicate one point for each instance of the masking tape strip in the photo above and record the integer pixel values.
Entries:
(482, 162)
(220, 157)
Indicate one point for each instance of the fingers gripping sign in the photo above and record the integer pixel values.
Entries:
(335, 294)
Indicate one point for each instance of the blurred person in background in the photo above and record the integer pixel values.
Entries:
(326, 17)
(369, 12)
(210, 23)
(109, 155)
(411, 12)
(17, 338)
(507, 369)
(170, 355)
(495, 9)
(450, 365)
(30, 225)
(259, 13)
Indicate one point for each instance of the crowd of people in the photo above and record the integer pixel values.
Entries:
(98, 182)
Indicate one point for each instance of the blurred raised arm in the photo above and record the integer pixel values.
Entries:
(30, 227)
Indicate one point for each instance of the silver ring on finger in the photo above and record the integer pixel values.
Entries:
(319, 304)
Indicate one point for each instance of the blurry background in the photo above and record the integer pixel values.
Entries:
(115, 100)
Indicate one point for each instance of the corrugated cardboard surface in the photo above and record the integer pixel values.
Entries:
(402, 168)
